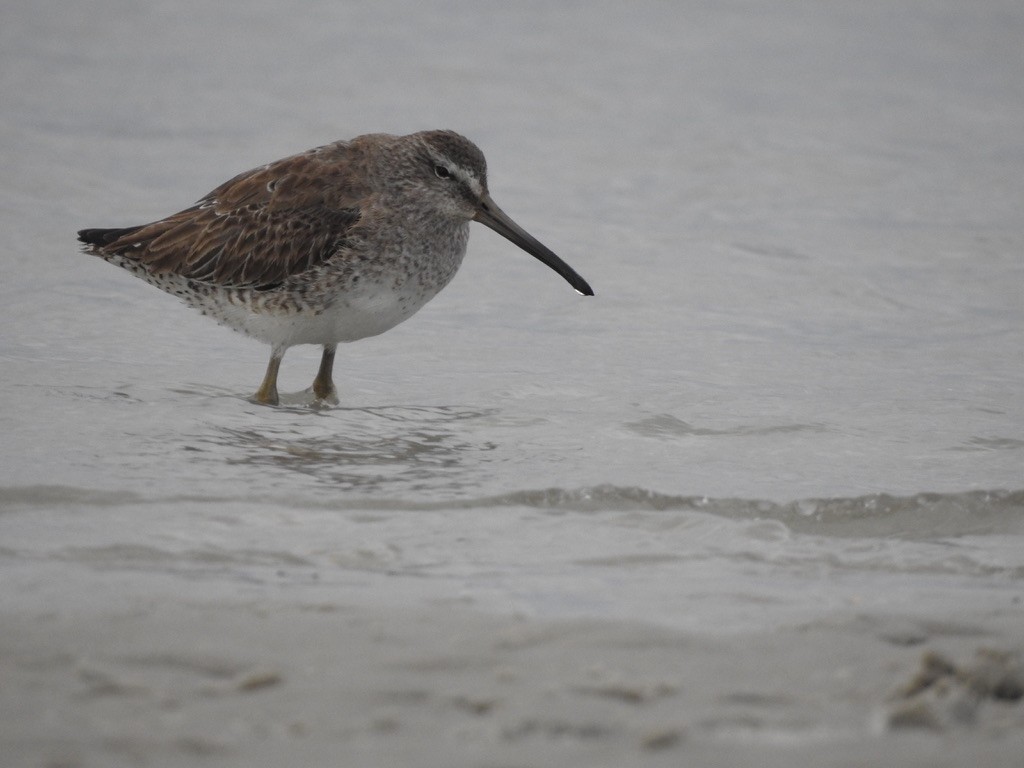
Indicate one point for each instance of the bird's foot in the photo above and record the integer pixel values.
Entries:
(323, 395)
(264, 396)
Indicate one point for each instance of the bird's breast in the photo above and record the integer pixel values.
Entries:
(372, 295)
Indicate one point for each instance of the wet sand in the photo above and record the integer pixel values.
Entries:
(263, 683)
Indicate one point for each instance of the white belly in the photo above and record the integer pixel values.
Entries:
(348, 318)
(368, 310)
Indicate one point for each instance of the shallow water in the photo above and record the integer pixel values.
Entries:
(796, 393)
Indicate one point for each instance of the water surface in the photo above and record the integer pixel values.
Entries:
(795, 397)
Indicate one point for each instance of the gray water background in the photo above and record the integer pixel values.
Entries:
(804, 223)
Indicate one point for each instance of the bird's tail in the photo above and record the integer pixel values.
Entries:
(102, 237)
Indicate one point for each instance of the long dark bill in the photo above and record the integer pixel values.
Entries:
(492, 216)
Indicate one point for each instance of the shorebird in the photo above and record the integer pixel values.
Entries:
(331, 245)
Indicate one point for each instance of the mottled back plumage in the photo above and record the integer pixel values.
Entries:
(255, 230)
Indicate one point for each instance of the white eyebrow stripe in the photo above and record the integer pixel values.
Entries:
(461, 172)
(473, 181)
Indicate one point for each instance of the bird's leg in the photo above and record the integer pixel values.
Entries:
(323, 384)
(267, 393)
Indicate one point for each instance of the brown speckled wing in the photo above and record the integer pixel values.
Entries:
(257, 229)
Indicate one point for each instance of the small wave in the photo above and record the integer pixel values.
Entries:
(923, 515)
(920, 516)
(990, 444)
(667, 426)
(63, 495)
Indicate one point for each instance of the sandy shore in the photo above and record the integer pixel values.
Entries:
(259, 683)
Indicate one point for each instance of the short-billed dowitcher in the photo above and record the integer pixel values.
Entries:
(331, 245)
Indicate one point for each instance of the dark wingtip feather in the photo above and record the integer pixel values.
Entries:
(102, 237)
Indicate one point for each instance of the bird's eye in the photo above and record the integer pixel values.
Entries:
(441, 172)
